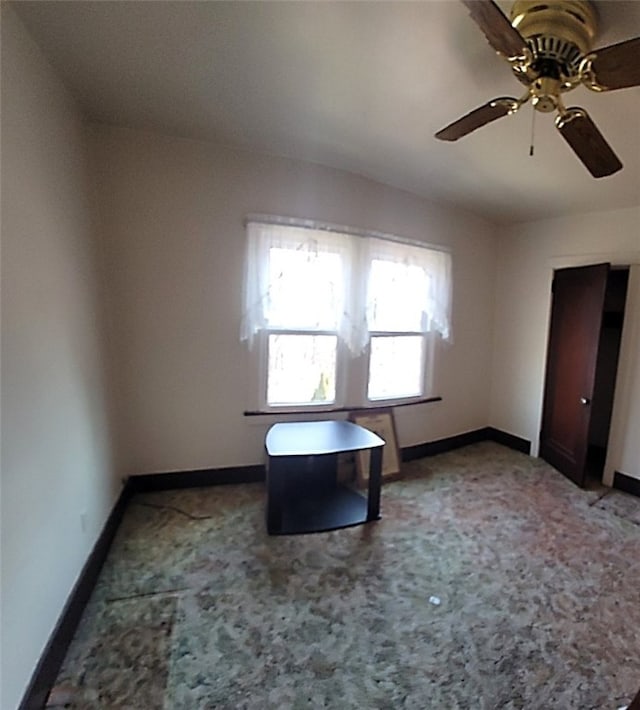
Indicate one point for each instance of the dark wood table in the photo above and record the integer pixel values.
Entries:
(303, 493)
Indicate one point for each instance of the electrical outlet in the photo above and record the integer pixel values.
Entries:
(83, 521)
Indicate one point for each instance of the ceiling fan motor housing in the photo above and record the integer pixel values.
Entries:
(559, 34)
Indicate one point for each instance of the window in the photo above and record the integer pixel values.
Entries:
(329, 309)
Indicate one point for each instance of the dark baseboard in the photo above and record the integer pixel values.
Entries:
(431, 448)
(511, 440)
(46, 671)
(625, 483)
(193, 479)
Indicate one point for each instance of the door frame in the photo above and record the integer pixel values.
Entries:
(626, 388)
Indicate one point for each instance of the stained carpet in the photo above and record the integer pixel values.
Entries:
(491, 582)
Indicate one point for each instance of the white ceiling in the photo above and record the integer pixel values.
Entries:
(361, 86)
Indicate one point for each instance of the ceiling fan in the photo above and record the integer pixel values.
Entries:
(548, 44)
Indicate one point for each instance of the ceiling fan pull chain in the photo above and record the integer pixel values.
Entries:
(533, 123)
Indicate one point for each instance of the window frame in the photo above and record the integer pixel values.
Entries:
(426, 354)
(263, 357)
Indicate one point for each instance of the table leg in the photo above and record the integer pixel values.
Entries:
(275, 483)
(375, 480)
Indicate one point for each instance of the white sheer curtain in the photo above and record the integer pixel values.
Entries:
(298, 278)
(408, 288)
(316, 279)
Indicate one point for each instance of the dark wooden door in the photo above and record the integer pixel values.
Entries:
(576, 319)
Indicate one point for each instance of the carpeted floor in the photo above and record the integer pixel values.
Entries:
(491, 582)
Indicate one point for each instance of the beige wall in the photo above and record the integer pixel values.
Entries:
(55, 446)
(528, 254)
(172, 214)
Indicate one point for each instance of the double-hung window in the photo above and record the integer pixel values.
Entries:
(398, 343)
(336, 312)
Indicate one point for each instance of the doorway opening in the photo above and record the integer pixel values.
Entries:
(606, 371)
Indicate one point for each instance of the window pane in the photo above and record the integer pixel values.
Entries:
(395, 367)
(396, 296)
(306, 289)
(302, 369)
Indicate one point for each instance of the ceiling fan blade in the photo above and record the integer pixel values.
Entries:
(582, 134)
(500, 33)
(618, 65)
(477, 118)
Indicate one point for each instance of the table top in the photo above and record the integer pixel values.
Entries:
(315, 438)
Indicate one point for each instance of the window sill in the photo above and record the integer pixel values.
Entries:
(337, 410)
